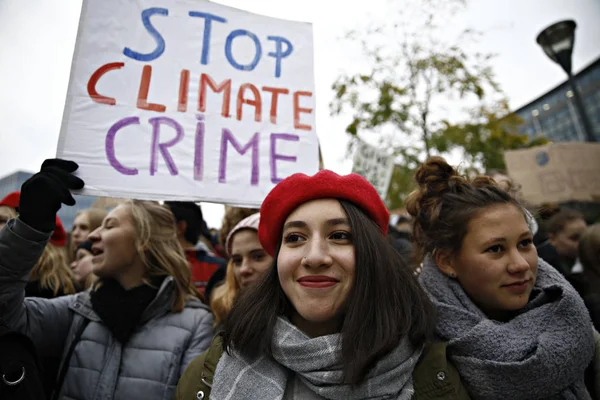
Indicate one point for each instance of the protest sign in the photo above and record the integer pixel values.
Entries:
(375, 166)
(188, 100)
(557, 172)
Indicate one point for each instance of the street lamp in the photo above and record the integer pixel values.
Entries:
(557, 41)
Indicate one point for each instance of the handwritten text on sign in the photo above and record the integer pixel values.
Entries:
(189, 100)
(375, 166)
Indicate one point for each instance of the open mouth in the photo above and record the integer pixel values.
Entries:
(97, 251)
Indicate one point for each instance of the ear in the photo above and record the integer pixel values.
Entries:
(444, 260)
(181, 227)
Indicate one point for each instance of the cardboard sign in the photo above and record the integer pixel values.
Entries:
(188, 100)
(557, 173)
(375, 166)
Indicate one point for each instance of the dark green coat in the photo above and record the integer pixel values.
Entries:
(433, 378)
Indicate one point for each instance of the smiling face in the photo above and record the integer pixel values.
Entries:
(497, 262)
(114, 248)
(81, 229)
(248, 258)
(316, 264)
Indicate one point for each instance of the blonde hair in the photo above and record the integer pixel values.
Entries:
(53, 272)
(589, 254)
(95, 217)
(223, 296)
(159, 248)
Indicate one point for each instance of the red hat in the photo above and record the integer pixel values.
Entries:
(300, 188)
(59, 236)
(11, 200)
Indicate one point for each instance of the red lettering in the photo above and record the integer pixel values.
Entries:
(224, 86)
(142, 101)
(298, 110)
(184, 84)
(256, 102)
(275, 92)
(91, 86)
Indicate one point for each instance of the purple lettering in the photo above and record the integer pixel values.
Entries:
(110, 145)
(227, 136)
(156, 122)
(199, 149)
(275, 156)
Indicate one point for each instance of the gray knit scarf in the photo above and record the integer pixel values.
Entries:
(541, 353)
(316, 361)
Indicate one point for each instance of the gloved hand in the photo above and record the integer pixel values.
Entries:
(43, 193)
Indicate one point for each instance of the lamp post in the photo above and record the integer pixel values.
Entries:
(557, 41)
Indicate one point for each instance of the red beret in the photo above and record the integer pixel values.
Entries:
(300, 188)
(59, 236)
(11, 200)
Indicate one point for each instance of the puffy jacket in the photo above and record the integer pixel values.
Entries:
(150, 364)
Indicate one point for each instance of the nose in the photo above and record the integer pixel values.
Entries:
(95, 235)
(517, 263)
(317, 254)
(246, 269)
(73, 264)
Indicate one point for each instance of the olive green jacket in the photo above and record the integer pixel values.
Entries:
(433, 378)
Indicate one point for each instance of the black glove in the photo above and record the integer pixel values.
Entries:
(43, 193)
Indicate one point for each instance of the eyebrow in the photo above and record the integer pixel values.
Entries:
(501, 239)
(329, 222)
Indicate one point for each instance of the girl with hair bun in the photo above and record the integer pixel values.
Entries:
(513, 325)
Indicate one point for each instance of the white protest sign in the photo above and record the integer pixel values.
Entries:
(375, 166)
(188, 100)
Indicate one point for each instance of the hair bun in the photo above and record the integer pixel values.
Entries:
(436, 175)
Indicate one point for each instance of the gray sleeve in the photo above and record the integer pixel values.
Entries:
(202, 337)
(45, 321)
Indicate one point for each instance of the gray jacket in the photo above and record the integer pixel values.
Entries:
(148, 367)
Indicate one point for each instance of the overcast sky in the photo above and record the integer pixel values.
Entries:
(37, 38)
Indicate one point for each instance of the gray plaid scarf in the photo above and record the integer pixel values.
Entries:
(316, 363)
(541, 353)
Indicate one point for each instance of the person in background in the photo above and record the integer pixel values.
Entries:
(514, 326)
(190, 228)
(8, 207)
(232, 216)
(561, 249)
(82, 266)
(589, 254)
(85, 222)
(132, 335)
(248, 261)
(50, 277)
(339, 314)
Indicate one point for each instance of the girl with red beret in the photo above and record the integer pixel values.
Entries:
(339, 315)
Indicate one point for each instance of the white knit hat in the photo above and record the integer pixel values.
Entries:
(250, 222)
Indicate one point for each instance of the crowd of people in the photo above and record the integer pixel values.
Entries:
(470, 293)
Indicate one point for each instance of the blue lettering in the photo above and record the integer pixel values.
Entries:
(160, 42)
(279, 53)
(258, 54)
(208, 18)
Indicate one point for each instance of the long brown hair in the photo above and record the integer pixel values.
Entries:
(53, 271)
(222, 297)
(160, 250)
(385, 305)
